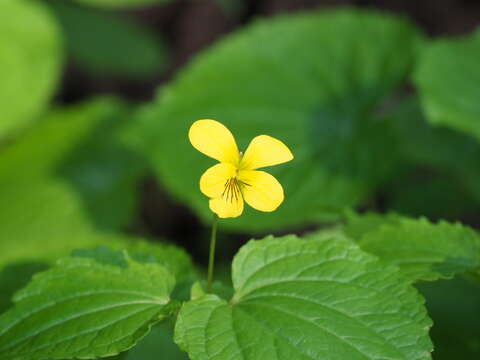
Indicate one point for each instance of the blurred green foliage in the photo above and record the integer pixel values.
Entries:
(122, 3)
(437, 169)
(69, 182)
(447, 78)
(105, 44)
(30, 62)
(453, 306)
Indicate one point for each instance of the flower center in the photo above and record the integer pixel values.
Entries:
(232, 190)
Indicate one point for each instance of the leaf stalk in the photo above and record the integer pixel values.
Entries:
(211, 258)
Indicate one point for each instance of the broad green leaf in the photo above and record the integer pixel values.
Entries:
(98, 41)
(453, 306)
(75, 161)
(307, 299)
(122, 3)
(43, 219)
(30, 62)
(423, 250)
(312, 80)
(172, 258)
(20, 262)
(44, 148)
(447, 79)
(357, 225)
(85, 309)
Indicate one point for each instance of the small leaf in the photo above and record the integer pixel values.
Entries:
(307, 299)
(98, 41)
(313, 80)
(422, 250)
(30, 62)
(84, 309)
(447, 78)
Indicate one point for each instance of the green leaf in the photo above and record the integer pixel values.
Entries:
(453, 306)
(20, 263)
(76, 159)
(85, 309)
(358, 225)
(176, 260)
(307, 299)
(173, 258)
(447, 79)
(43, 219)
(312, 80)
(30, 62)
(97, 42)
(122, 3)
(422, 250)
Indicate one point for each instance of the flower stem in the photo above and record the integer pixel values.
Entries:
(211, 258)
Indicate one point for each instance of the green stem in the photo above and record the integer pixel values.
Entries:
(211, 258)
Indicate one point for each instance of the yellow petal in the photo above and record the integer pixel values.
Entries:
(214, 180)
(264, 151)
(226, 207)
(215, 140)
(261, 190)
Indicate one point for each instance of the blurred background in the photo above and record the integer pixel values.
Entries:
(82, 78)
(130, 52)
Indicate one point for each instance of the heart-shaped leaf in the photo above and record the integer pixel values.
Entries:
(307, 299)
(83, 308)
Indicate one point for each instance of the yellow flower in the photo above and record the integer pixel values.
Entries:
(235, 179)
